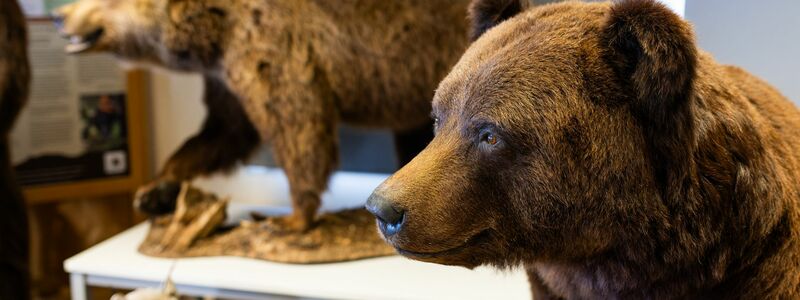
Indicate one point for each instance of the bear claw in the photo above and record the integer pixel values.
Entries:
(157, 198)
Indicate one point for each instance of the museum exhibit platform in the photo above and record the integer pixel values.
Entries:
(116, 263)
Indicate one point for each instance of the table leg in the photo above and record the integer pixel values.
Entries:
(78, 288)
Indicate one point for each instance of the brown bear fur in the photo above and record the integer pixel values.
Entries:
(595, 145)
(285, 72)
(14, 80)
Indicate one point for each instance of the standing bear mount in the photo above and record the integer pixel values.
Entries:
(285, 72)
(595, 145)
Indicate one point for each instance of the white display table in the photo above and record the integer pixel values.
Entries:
(116, 263)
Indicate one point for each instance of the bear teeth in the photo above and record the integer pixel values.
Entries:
(78, 43)
(74, 47)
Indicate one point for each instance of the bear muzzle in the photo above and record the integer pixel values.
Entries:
(79, 26)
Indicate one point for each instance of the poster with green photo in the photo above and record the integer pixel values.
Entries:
(41, 8)
(50, 5)
(75, 124)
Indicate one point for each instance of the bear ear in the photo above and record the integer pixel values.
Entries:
(485, 14)
(653, 53)
(652, 49)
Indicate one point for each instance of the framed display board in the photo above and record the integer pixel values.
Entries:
(82, 133)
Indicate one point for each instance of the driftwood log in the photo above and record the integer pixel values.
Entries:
(196, 228)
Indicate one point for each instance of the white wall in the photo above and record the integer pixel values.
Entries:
(177, 111)
(679, 6)
(760, 36)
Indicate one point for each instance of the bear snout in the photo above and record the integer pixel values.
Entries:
(81, 24)
(390, 218)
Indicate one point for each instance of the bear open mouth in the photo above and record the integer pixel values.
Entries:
(79, 44)
(479, 238)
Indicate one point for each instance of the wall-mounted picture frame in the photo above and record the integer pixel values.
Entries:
(82, 133)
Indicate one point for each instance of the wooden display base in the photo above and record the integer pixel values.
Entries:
(196, 229)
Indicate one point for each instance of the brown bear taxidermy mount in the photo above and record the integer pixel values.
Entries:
(283, 72)
(595, 145)
(14, 83)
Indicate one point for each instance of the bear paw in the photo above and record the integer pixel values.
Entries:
(157, 198)
(291, 224)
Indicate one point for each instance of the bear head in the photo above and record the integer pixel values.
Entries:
(178, 34)
(556, 134)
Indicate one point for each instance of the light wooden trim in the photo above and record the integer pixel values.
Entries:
(136, 102)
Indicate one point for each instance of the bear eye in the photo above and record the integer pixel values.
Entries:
(489, 138)
(435, 123)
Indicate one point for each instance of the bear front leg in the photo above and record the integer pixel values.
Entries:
(306, 147)
(226, 138)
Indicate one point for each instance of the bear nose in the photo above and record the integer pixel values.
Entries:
(390, 219)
